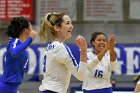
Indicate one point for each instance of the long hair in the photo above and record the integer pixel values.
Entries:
(47, 32)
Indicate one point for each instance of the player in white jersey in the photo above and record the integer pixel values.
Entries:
(137, 87)
(59, 63)
(97, 77)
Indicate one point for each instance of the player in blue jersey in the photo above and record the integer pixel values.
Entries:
(59, 63)
(21, 36)
(101, 62)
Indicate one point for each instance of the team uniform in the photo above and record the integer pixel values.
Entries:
(97, 77)
(59, 64)
(15, 61)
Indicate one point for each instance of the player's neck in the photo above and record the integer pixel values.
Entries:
(22, 38)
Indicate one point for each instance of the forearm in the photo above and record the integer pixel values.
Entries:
(81, 71)
(17, 50)
(83, 56)
(114, 65)
(100, 55)
(77, 71)
(137, 88)
(112, 55)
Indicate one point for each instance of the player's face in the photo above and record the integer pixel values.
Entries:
(66, 28)
(27, 31)
(99, 43)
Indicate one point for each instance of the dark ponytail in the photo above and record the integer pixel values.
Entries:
(16, 27)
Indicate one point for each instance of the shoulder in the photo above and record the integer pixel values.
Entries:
(60, 46)
(13, 42)
(56, 45)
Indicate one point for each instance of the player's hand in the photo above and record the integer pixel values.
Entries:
(81, 43)
(111, 42)
(33, 34)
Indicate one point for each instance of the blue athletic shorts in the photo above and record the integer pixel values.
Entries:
(8, 88)
(104, 90)
(47, 91)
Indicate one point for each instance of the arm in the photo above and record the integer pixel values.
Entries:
(20, 48)
(100, 55)
(111, 48)
(78, 70)
(137, 87)
(81, 43)
(65, 56)
(114, 65)
(112, 53)
(62, 54)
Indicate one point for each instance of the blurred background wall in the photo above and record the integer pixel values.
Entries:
(119, 17)
(123, 26)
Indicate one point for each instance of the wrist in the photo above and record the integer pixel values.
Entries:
(105, 50)
(83, 52)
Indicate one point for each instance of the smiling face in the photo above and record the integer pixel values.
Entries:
(99, 43)
(64, 31)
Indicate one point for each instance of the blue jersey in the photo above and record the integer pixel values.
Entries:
(15, 60)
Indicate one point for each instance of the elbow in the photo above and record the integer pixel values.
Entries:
(114, 69)
(80, 78)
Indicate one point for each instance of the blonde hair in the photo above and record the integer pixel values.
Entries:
(47, 32)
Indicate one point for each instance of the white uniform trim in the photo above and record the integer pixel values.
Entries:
(15, 42)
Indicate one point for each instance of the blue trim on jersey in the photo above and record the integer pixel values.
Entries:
(71, 55)
(104, 90)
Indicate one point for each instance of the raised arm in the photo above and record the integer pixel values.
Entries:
(16, 50)
(111, 48)
(113, 60)
(81, 43)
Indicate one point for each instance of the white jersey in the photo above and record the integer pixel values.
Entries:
(59, 63)
(98, 72)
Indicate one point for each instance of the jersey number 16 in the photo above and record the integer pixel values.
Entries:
(98, 73)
